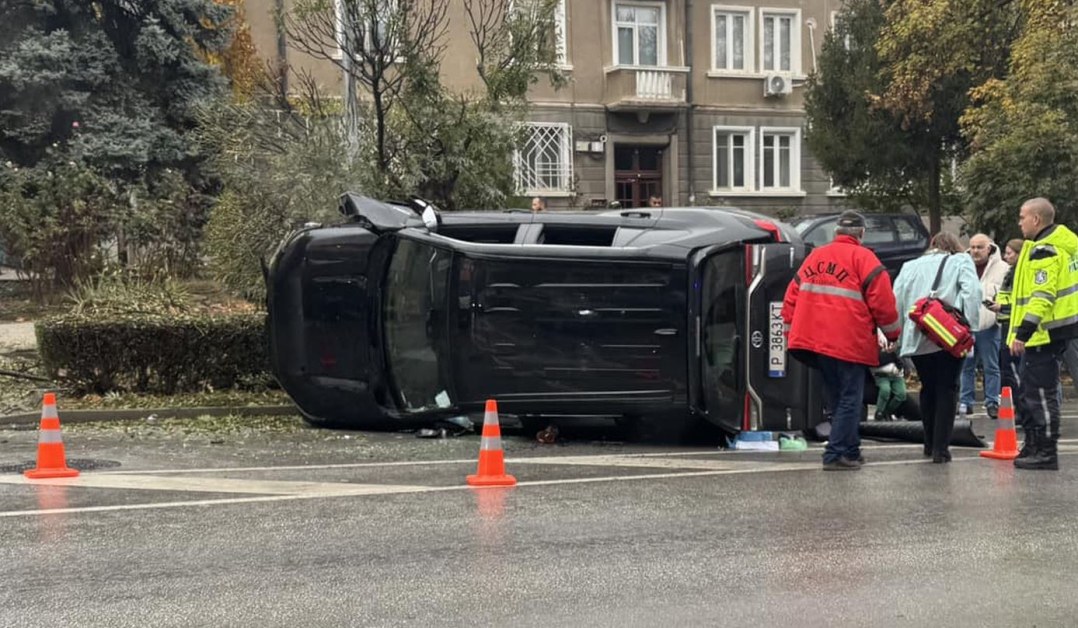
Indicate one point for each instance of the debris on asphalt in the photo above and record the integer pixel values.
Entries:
(788, 442)
(445, 428)
(548, 435)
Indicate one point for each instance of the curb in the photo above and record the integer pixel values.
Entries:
(84, 416)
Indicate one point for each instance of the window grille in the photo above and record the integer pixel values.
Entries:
(544, 163)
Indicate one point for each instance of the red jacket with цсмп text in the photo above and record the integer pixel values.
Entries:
(838, 298)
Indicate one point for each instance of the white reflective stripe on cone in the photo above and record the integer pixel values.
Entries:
(49, 412)
(490, 442)
(490, 418)
(49, 436)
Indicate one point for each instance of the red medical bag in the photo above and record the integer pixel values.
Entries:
(943, 324)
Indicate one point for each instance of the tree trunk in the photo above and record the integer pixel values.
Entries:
(935, 202)
(380, 130)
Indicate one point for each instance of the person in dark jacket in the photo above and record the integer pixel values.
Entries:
(834, 304)
(1008, 364)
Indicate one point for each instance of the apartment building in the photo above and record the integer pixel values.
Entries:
(695, 102)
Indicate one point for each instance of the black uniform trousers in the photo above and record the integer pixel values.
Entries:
(1038, 399)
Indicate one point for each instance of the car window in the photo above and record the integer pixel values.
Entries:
(907, 232)
(879, 230)
(822, 233)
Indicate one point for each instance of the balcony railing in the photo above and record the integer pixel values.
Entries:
(645, 87)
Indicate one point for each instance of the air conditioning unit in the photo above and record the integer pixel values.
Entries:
(777, 85)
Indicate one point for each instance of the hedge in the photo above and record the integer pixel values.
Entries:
(155, 353)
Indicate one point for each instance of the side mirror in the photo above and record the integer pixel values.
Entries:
(430, 218)
(429, 213)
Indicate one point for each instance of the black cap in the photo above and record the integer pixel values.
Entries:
(851, 219)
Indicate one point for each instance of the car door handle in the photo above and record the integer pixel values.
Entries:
(666, 331)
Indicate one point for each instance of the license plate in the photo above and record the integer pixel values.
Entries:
(776, 346)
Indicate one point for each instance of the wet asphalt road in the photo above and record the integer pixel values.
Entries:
(314, 528)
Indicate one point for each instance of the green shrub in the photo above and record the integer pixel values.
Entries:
(163, 353)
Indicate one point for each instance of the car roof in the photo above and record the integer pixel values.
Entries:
(661, 232)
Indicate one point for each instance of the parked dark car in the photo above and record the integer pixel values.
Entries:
(895, 238)
(665, 314)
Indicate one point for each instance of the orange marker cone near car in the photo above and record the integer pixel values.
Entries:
(491, 470)
(50, 445)
(1005, 446)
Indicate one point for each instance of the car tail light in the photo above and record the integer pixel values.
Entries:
(769, 227)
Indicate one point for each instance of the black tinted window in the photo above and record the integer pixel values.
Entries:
(822, 233)
(879, 230)
(907, 232)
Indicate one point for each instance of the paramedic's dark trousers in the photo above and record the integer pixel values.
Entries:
(938, 373)
(1038, 401)
(845, 382)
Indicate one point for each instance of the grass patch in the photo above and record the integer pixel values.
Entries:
(205, 427)
(229, 398)
(17, 304)
(19, 395)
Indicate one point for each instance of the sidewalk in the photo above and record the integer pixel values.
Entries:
(17, 337)
(8, 274)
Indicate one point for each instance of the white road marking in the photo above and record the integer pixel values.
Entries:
(215, 485)
(630, 460)
(302, 467)
(321, 490)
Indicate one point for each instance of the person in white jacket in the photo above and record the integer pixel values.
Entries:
(991, 269)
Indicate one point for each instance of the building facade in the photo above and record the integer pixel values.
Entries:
(695, 102)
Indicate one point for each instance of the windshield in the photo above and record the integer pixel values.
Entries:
(415, 324)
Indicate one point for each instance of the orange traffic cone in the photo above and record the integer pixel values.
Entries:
(491, 458)
(1005, 446)
(50, 445)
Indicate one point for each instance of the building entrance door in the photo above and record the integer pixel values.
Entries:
(638, 174)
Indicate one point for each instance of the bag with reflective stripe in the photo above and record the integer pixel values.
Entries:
(944, 325)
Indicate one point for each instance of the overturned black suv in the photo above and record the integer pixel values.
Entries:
(400, 316)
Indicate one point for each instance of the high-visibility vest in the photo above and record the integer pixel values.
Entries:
(1045, 293)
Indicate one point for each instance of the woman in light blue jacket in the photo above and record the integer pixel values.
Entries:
(937, 369)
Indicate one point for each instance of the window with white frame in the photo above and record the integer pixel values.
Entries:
(780, 159)
(560, 33)
(780, 41)
(732, 39)
(544, 162)
(376, 32)
(733, 159)
(555, 34)
(639, 33)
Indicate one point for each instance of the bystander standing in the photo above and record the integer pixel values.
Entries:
(937, 369)
(991, 269)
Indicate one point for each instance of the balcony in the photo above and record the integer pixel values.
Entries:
(644, 88)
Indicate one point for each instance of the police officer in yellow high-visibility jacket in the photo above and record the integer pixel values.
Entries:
(1044, 316)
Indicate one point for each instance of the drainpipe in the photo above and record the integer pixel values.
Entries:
(689, 102)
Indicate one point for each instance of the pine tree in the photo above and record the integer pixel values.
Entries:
(111, 86)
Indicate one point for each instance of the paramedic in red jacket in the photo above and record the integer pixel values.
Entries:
(839, 297)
